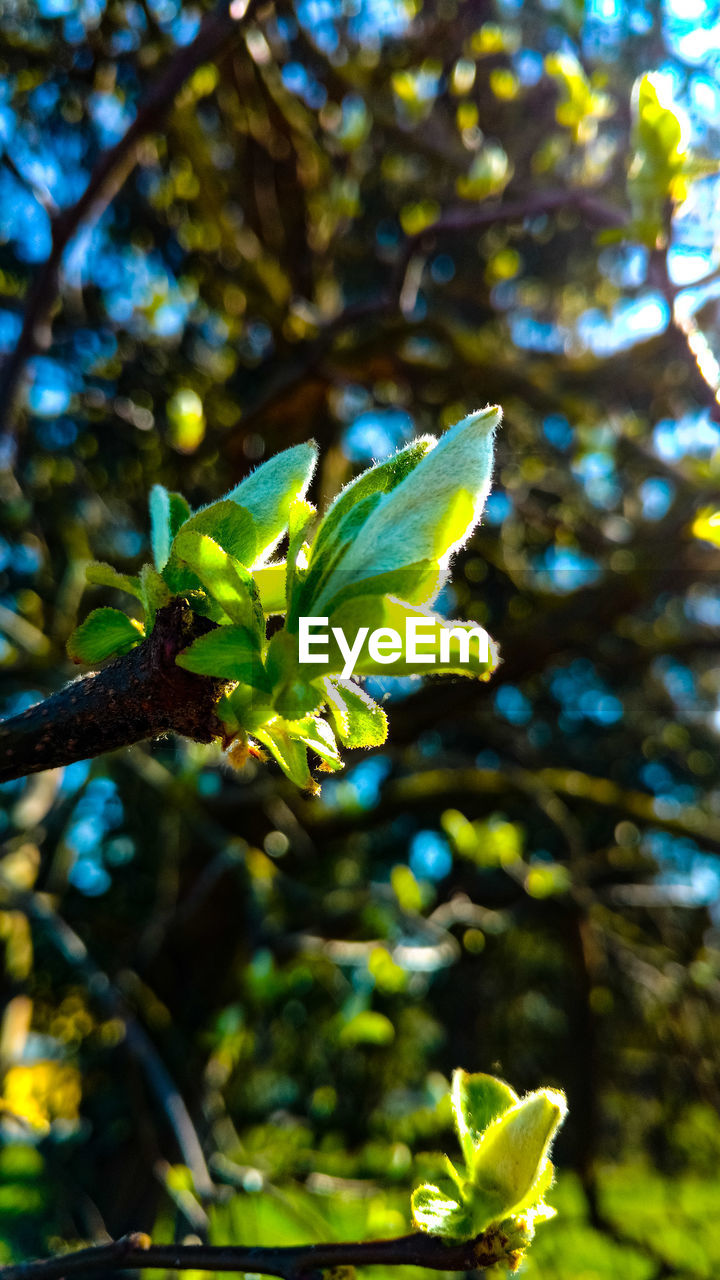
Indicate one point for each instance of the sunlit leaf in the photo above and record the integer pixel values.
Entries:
(103, 575)
(440, 1215)
(317, 734)
(229, 525)
(431, 513)
(227, 653)
(478, 1100)
(168, 511)
(269, 492)
(290, 753)
(105, 633)
(510, 1160)
(223, 577)
(358, 720)
(368, 1027)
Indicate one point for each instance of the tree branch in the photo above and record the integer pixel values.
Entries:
(136, 1253)
(394, 300)
(141, 695)
(106, 179)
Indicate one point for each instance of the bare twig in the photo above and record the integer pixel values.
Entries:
(38, 191)
(136, 1253)
(405, 278)
(106, 179)
(694, 347)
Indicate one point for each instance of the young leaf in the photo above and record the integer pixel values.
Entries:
(477, 656)
(379, 479)
(534, 1201)
(322, 568)
(439, 1215)
(295, 693)
(222, 576)
(358, 720)
(228, 524)
(168, 511)
(433, 511)
(270, 582)
(268, 493)
(103, 575)
(510, 1159)
(105, 633)
(290, 754)
(417, 583)
(244, 709)
(155, 594)
(317, 734)
(478, 1100)
(300, 517)
(227, 653)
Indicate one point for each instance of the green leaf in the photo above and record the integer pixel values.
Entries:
(105, 633)
(368, 1027)
(229, 525)
(155, 594)
(379, 479)
(168, 511)
(378, 612)
(245, 708)
(439, 1215)
(661, 165)
(414, 583)
(296, 693)
(317, 734)
(227, 653)
(509, 1161)
(290, 753)
(300, 518)
(270, 582)
(358, 720)
(104, 575)
(431, 513)
(271, 489)
(228, 582)
(535, 1197)
(478, 1100)
(322, 567)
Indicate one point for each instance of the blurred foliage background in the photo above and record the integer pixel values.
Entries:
(231, 1013)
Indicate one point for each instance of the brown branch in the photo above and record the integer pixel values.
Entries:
(431, 785)
(141, 695)
(135, 1253)
(308, 356)
(693, 348)
(110, 172)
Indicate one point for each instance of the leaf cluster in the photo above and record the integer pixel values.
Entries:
(504, 1141)
(378, 557)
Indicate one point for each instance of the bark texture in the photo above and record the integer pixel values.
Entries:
(138, 696)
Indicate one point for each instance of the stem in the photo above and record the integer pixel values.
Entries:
(135, 1253)
(138, 696)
